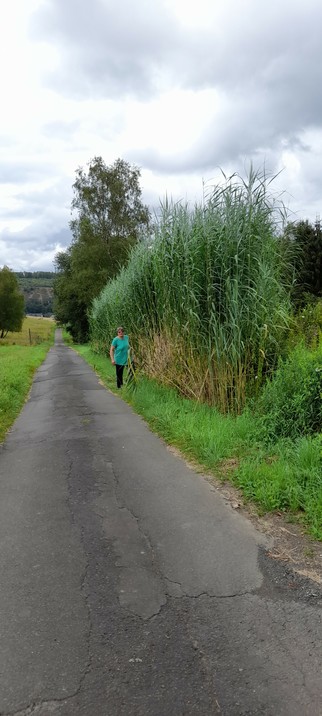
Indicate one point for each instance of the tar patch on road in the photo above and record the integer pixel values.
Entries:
(282, 582)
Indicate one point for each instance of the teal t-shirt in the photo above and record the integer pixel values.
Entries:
(121, 346)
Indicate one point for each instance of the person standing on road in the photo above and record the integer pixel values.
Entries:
(119, 354)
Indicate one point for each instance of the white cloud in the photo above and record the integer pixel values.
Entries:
(180, 88)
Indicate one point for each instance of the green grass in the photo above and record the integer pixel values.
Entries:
(287, 477)
(67, 337)
(17, 366)
(284, 475)
(34, 331)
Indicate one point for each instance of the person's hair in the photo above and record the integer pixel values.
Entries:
(120, 328)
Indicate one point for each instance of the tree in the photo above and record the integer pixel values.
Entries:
(304, 241)
(110, 199)
(108, 219)
(69, 308)
(11, 303)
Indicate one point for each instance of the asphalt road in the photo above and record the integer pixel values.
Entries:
(128, 586)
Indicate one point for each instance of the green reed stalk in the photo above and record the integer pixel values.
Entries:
(205, 304)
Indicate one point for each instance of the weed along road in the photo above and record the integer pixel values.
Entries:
(128, 585)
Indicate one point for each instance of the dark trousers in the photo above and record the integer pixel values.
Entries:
(119, 375)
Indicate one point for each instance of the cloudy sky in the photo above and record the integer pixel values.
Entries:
(180, 88)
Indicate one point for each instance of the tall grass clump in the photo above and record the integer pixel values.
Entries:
(205, 303)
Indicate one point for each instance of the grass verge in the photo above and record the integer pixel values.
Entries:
(284, 475)
(17, 366)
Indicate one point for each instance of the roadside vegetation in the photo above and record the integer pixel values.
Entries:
(108, 220)
(207, 302)
(11, 303)
(275, 473)
(19, 360)
(223, 308)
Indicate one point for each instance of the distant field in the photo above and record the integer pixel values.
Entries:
(18, 362)
(34, 331)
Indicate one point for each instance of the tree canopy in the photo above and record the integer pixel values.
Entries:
(305, 243)
(109, 218)
(11, 303)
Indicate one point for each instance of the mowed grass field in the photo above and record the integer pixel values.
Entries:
(18, 361)
(34, 331)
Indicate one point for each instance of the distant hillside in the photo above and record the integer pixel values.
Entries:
(38, 292)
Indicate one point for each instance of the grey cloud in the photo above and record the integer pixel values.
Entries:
(296, 143)
(35, 238)
(59, 193)
(255, 45)
(61, 129)
(311, 179)
(41, 204)
(31, 205)
(30, 249)
(16, 171)
(108, 49)
(47, 211)
(23, 211)
(265, 60)
(251, 125)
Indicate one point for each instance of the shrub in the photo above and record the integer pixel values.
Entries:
(308, 324)
(291, 404)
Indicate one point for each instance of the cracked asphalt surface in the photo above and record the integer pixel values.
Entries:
(128, 585)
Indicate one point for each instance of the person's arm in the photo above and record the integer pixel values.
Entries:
(112, 349)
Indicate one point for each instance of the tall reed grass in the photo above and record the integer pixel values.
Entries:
(205, 303)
